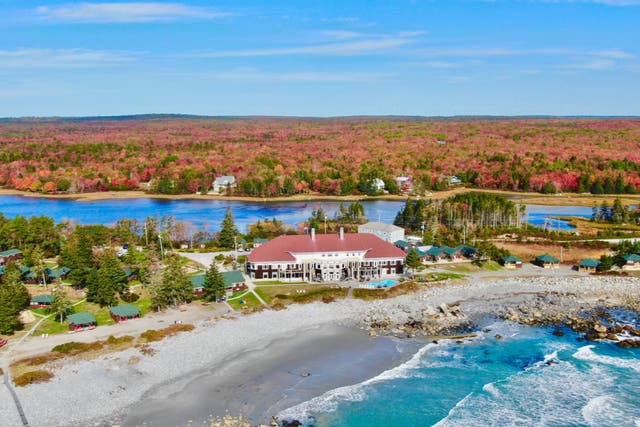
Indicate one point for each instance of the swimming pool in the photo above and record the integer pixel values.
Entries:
(383, 283)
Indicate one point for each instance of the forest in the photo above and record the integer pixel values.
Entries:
(341, 156)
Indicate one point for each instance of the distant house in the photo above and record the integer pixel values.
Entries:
(257, 242)
(81, 321)
(387, 232)
(377, 184)
(435, 254)
(121, 313)
(442, 142)
(129, 274)
(454, 180)
(10, 256)
(405, 183)
(631, 262)
(547, 261)
(41, 301)
(403, 244)
(512, 262)
(589, 265)
(447, 253)
(197, 282)
(222, 183)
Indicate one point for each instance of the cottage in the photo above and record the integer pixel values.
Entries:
(631, 262)
(81, 321)
(435, 254)
(377, 184)
(129, 274)
(234, 281)
(589, 265)
(547, 261)
(54, 274)
(41, 301)
(387, 232)
(121, 313)
(223, 183)
(9, 256)
(197, 282)
(405, 183)
(325, 257)
(511, 262)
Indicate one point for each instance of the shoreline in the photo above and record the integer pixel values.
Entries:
(567, 199)
(113, 383)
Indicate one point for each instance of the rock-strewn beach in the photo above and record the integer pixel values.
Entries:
(249, 350)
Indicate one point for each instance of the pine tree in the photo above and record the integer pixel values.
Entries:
(173, 288)
(413, 259)
(14, 297)
(60, 306)
(228, 231)
(214, 288)
(107, 280)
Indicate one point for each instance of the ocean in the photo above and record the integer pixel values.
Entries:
(526, 377)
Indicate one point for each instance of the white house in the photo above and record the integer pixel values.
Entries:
(325, 257)
(387, 232)
(377, 184)
(221, 183)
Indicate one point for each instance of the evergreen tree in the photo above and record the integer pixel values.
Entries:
(228, 231)
(37, 260)
(60, 306)
(105, 281)
(413, 259)
(14, 297)
(173, 288)
(597, 187)
(214, 288)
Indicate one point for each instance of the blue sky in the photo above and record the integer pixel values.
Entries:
(320, 58)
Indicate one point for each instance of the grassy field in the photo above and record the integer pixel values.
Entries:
(249, 301)
(291, 294)
(276, 282)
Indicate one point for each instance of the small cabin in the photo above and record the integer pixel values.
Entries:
(631, 262)
(82, 321)
(222, 183)
(197, 282)
(547, 261)
(54, 274)
(588, 265)
(41, 301)
(511, 262)
(124, 312)
(9, 256)
(233, 282)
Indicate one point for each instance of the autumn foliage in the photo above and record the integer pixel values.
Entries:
(275, 157)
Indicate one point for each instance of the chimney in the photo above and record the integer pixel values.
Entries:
(313, 234)
(341, 233)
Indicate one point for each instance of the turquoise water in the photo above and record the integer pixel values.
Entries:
(527, 378)
(384, 283)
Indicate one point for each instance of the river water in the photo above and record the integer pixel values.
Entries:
(209, 213)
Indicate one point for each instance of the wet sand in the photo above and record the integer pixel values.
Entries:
(262, 382)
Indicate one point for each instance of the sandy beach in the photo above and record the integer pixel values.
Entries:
(246, 365)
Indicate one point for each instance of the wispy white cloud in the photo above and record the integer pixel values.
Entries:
(60, 58)
(486, 52)
(596, 65)
(363, 46)
(342, 34)
(612, 54)
(125, 12)
(257, 75)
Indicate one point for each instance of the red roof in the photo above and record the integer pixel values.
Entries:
(280, 248)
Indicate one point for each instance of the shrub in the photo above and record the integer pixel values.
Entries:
(152, 335)
(32, 377)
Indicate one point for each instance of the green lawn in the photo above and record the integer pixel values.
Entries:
(491, 266)
(101, 313)
(144, 305)
(51, 326)
(276, 282)
(250, 301)
(290, 294)
(436, 277)
(41, 311)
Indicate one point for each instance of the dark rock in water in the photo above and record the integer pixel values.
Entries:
(498, 336)
(612, 337)
(292, 423)
(558, 333)
(591, 337)
(628, 343)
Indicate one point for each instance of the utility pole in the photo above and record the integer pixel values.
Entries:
(161, 248)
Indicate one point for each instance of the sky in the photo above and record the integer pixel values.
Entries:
(320, 57)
